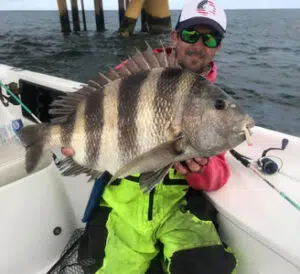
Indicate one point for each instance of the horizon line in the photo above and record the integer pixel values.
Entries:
(170, 9)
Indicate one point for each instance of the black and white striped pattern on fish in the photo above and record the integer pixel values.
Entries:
(145, 120)
(93, 118)
(128, 100)
(168, 86)
(66, 130)
(129, 116)
(140, 118)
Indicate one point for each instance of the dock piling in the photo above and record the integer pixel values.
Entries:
(121, 10)
(99, 15)
(83, 15)
(157, 16)
(131, 15)
(75, 16)
(144, 21)
(63, 15)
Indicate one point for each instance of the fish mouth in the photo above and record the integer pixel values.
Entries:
(245, 131)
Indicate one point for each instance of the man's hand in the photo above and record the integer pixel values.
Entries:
(68, 151)
(193, 165)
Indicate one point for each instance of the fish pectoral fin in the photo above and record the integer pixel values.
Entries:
(152, 160)
(180, 143)
(68, 167)
(149, 180)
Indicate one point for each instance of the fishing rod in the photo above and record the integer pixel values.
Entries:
(21, 103)
(267, 166)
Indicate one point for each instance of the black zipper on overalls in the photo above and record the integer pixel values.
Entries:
(150, 207)
(167, 181)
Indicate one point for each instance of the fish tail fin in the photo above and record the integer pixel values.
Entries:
(35, 139)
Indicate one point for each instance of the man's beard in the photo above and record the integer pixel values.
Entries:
(202, 68)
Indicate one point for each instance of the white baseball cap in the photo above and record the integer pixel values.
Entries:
(204, 13)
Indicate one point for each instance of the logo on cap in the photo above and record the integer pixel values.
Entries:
(206, 7)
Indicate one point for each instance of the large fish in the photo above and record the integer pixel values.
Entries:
(141, 118)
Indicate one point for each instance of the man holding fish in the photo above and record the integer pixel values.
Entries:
(147, 122)
(189, 246)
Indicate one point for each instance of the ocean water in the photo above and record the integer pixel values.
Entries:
(259, 63)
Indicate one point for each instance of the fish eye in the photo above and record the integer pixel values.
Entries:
(220, 104)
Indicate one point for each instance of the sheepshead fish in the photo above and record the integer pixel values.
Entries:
(140, 118)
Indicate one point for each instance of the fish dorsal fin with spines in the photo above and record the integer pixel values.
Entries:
(163, 57)
(94, 84)
(132, 65)
(151, 57)
(61, 108)
(123, 71)
(140, 61)
(104, 79)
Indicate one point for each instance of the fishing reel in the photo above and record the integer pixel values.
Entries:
(266, 164)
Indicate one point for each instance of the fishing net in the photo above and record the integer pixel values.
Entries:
(67, 263)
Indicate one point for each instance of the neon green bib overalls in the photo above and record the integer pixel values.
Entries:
(137, 221)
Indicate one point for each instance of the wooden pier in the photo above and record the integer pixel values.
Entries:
(75, 15)
(64, 16)
(155, 16)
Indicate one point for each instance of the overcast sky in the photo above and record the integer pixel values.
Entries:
(174, 4)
